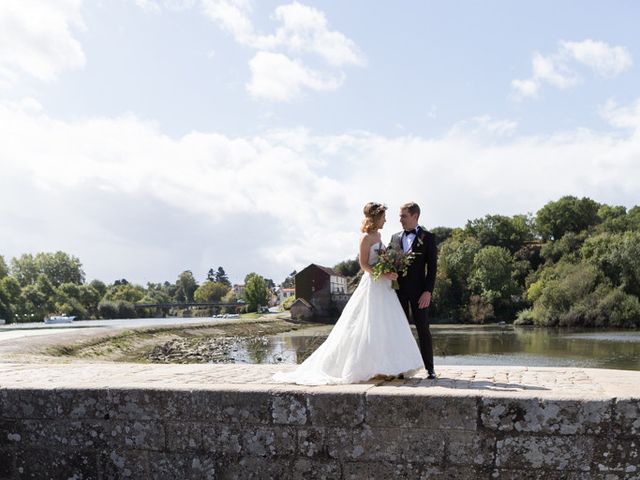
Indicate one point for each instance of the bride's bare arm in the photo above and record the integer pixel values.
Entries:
(365, 246)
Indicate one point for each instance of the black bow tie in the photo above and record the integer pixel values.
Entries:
(409, 232)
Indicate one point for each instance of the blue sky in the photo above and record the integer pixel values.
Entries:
(141, 133)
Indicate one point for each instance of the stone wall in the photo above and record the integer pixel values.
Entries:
(254, 431)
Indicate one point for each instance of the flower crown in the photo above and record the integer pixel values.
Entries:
(377, 210)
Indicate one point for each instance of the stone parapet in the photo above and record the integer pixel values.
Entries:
(206, 421)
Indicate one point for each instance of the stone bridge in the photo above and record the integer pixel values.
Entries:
(103, 421)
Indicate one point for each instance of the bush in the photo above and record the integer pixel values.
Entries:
(118, 309)
(108, 309)
(73, 308)
(479, 309)
(525, 317)
(286, 304)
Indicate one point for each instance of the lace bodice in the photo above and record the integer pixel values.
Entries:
(373, 253)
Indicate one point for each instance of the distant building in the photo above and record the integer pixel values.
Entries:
(238, 290)
(284, 293)
(301, 309)
(323, 288)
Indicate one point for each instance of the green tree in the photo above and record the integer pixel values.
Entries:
(229, 297)
(256, 292)
(633, 219)
(502, 231)
(290, 281)
(100, 286)
(221, 277)
(618, 257)
(569, 214)
(59, 268)
(566, 248)
(156, 293)
(211, 292)
(125, 292)
(492, 277)
(24, 269)
(443, 303)
(455, 262)
(67, 300)
(441, 234)
(10, 297)
(34, 304)
(613, 219)
(559, 288)
(4, 270)
(348, 268)
(89, 298)
(186, 287)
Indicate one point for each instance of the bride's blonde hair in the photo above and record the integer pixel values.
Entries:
(372, 213)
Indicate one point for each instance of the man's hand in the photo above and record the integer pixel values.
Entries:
(424, 300)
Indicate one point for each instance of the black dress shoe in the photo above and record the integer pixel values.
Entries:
(431, 376)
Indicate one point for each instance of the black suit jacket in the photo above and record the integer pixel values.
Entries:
(421, 275)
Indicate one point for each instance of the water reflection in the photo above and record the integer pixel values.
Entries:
(481, 345)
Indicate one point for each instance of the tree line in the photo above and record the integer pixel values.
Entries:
(35, 286)
(575, 262)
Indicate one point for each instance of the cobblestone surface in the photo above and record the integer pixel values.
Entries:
(542, 382)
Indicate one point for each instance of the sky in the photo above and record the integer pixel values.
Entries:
(148, 137)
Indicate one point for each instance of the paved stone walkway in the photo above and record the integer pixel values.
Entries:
(541, 382)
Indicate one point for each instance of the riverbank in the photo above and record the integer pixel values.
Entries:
(221, 341)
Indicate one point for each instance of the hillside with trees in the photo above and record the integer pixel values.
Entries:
(576, 262)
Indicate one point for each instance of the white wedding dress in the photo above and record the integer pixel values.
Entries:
(371, 337)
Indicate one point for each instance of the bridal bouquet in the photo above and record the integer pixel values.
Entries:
(392, 261)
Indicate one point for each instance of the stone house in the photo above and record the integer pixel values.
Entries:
(301, 309)
(323, 288)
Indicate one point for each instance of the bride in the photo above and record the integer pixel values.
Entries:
(372, 337)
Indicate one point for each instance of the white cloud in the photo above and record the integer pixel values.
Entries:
(232, 15)
(303, 30)
(525, 88)
(133, 202)
(36, 39)
(149, 6)
(156, 6)
(607, 61)
(274, 76)
(483, 127)
(556, 69)
(553, 71)
(623, 117)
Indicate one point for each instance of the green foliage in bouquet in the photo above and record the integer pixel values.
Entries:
(393, 261)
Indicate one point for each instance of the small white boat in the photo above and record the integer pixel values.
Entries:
(64, 318)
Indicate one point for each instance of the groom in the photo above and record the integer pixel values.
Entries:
(417, 285)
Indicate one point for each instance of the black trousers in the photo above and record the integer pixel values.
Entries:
(420, 319)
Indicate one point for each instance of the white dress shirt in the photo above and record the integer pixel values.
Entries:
(407, 240)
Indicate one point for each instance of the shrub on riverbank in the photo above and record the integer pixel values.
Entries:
(116, 309)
